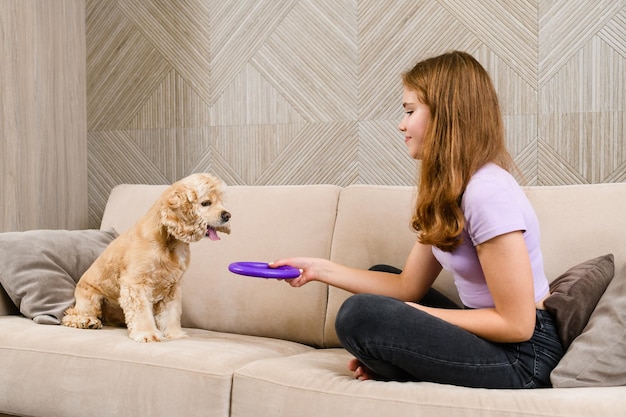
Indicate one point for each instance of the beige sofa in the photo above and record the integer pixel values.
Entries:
(258, 347)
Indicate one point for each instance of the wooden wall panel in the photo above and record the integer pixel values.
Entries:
(43, 149)
(308, 91)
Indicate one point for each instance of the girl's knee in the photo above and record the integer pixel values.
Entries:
(355, 305)
(360, 314)
(350, 315)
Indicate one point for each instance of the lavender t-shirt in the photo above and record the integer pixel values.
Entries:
(493, 204)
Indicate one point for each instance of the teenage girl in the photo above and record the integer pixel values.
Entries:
(472, 218)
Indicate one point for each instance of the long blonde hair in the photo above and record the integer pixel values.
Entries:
(464, 133)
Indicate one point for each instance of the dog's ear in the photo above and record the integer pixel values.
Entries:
(178, 214)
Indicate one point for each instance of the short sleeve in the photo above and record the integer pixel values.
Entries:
(492, 208)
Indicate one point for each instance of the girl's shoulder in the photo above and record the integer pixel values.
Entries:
(490, 178)
(491, 172)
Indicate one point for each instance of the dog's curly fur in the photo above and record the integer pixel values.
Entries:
(137, 278)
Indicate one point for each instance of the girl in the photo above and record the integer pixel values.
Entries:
(471, 218)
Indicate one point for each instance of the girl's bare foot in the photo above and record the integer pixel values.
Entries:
(360, 372)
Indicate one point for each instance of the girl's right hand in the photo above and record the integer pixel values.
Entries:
(309, 269)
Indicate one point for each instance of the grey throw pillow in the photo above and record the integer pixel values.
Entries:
(39, 269)
(597, 358)
(574, 295)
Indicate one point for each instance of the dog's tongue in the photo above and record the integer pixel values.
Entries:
(212, 233)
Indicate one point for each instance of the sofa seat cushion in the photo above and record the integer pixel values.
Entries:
(317, 383)
(55, 370)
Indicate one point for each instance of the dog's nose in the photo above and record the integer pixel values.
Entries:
(225, 216)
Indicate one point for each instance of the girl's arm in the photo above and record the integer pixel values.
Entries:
(419, 272)
(507, 269)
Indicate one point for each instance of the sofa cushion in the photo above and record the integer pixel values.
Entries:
(62, 371)
(574, 295)
(40, 268)
(598, 356)
(318, 383)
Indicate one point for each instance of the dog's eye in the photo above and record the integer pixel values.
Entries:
(206, 203)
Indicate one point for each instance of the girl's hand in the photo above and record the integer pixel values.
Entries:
(309, 269)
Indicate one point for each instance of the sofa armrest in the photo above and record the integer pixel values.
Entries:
(6, 305)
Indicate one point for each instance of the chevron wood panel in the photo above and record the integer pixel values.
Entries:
(311, 59)
(240, 29)
(180, 32)
(527, 163)
(319, 153)
(248, 152)
(258, 103)
(591, 143)
(123, 67)
(173, 103)
(578, 88)
(507, 28)
(392, 40)
(381, 146)
(554, 169)
(582, 101)
(565, 28)
(614, 32)
(115, 159)
(308, 91)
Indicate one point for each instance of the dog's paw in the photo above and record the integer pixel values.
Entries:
(81, 322)
(146, 337)
(179, 334)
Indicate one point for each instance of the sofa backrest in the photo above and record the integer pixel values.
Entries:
(268, 223)
(360, 226)
(580, 222)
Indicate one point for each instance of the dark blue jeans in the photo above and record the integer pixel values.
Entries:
(401, 343)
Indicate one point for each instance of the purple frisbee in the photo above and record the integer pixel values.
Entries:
(263, 270)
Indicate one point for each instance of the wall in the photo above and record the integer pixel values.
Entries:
(300, 92)
(43, 148)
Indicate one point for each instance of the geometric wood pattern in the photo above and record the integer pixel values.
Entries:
(301, 92)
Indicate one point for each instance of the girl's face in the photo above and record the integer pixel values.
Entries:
(414, 123)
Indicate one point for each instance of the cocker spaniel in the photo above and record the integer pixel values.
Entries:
(137, 279)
